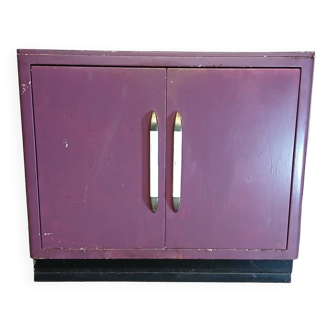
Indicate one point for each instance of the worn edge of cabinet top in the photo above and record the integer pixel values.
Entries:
(303, 54)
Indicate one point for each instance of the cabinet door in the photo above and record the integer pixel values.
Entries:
(92, 139)
(238, 142)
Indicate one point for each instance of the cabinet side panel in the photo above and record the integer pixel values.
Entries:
(300, 150)
(28, 133)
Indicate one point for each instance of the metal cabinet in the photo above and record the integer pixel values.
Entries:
(89, 154)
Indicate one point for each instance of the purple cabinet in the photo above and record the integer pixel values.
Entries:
(86, 121)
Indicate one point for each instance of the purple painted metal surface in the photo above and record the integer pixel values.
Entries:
(173, 54)
(304, 61)
(30, 161)
(238, 140)
(301, 140)
(92, 138)
(165, 59)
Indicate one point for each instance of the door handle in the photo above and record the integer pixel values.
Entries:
(177, 161)
(154, 169)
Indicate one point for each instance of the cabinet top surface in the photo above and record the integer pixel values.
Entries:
(168, 53)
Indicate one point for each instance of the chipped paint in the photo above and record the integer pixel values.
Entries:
(85, 192)
(24, 88)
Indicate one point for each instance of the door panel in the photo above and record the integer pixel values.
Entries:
(92, 139)
(238, 140)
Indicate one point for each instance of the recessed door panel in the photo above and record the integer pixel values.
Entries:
(238, 130)
(92, 137)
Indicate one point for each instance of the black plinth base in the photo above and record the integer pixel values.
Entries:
(178, 270)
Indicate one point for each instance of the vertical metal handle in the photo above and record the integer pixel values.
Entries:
(154, 161)
(177, 161)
